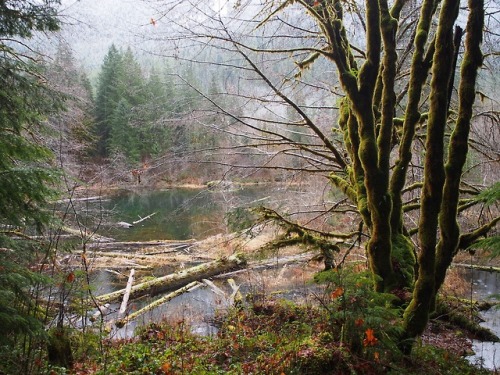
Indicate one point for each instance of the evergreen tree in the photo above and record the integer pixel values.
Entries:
(109, 93)
(155, 111)
(123, 138)
(121, 88)
(26, 183)
(132, 81)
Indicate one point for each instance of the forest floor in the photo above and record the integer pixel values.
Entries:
(452, 339)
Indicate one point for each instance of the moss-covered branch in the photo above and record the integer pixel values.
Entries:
(418, 77)
(291, 227)
(389, 26)
(417, 313)
(458, 146)
(468, 239)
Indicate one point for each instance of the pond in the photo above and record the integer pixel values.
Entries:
(178, 214)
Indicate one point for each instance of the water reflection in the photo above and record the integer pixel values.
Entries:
(486, 286)
(181, 213)
(195, 309)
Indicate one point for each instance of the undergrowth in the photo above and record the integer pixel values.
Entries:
(350, 330)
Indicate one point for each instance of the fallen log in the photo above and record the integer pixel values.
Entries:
(124, 224)
(178, 279)
(121, 321)
(270, 263)
(228, 300)
(186, 248)
(83, 199)
(133, 245)
(477, 267)
(123, 307)
(87, 234)
(122, 267)
(121, 255)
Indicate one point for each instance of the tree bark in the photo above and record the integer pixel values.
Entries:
(458, 148)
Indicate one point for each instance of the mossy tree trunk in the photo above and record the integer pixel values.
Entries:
(417, 313)
(458, 147)
(367, 118)
(396, 105)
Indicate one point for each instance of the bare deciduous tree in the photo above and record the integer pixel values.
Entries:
(378, 97)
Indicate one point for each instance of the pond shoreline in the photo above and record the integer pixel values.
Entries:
(100, 190)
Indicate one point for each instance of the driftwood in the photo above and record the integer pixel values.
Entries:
(178, 279)
(160, 301)
(123, 307)
(126, 267)
(143, 218)
(227, 299)
(121, 255)
(124, 224)
(102, 311)
(270, 263)
(83, 199)
(186, 248)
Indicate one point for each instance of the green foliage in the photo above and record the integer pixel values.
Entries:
(403, 259)
(354, 308)
(490, 244)
(17, 310)
(278, 336)
(134, 112)
(490, 195)
(28, 181)
(109, 93)
(430, 360)
(23, 17)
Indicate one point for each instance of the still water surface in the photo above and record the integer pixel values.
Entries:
(180, 213)
(486, 286)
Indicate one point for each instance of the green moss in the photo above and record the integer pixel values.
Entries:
(421, 37)
(363, 209)
(368, 153)
(344, 186)
(403, 259)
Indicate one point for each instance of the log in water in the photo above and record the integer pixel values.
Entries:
(178, 279)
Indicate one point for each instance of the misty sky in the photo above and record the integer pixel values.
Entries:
(91, 26)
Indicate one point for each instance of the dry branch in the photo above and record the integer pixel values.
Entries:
(134, 245)
(477, 267)
(87, 234)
